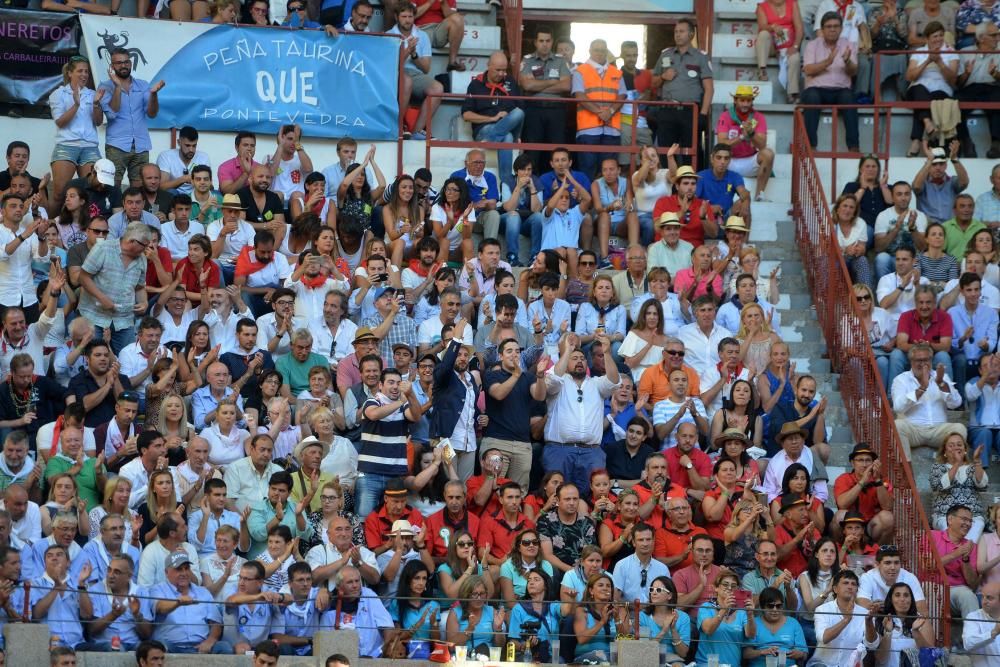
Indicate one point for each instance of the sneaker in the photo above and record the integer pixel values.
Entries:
(604, 263)
(761, 197)
(513, 260)
(418, 136)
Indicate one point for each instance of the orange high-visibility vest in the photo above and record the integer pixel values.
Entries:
(598, 88)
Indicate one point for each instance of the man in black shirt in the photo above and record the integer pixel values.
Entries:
(495, 118)
(264, 207)
(626, 459)
(105, 199)
(156, 201)
(98, 385)
(18, 154)
(27, 401)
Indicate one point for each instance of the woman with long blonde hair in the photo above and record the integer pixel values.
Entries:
(756, 337)
(117, 492)
(161, 499)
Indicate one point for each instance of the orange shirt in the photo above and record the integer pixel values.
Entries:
(654, 382)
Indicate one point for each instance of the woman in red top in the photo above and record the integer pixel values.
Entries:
(857, 551)
(779, 26)
(543, 499)
(615, 535)
(197, 269)
(601, 498)
(734, 446)
(717, 505)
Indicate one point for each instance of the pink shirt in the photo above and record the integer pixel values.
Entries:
(687, 580)
(685, 278)
(944, 546)
(230, 170)
(730, 128)
(834, 76)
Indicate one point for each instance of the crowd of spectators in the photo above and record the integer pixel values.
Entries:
(247, 402)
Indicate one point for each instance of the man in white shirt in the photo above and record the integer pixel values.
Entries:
(171, 531)
(230, 235)
(176, 163)
(311, 281)
(274, 329)
(429, 338)
(227, 309)
(792, 439)
(840, 624)
(575, 425)
(175, 234)
(259, 271)
(347, 152)
(896, 290)
(921, 398)
(896, 227)
(701, 338)
(152, 449)
(974, 262)
(334, 334)
(19, 337)
(17, 249)
(247, 478)
(981, 629)
(25, 516)
(137, 359)
(292, 164)
(336, 552)
(874, 584)
(172, 312)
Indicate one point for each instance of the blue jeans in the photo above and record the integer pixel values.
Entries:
(228, 273)
(120, 338)
(882, 362)
(516, 223)
(830, 97)
(221, 647)
(965, 369)
(646, 228)
(988, 438)
(575, 463)
(900, 363)
(507, 129)
(589, 161)
(884, 265)
(368, 492)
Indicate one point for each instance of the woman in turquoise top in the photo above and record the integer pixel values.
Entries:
(575, 581)
(411, 609)
(661, 622)
(724, 628)
(535, 617)
(473, 622)
(523, 559)
(594, 623)
(776, 631)
(459, 564)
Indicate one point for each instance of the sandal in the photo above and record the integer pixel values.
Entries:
(914, 152)
(456, 67)
(762, 74)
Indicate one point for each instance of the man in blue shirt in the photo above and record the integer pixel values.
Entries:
(54, 599)
(484, 191)
(562, 165)
(186, 617)
(127, 102)
(112, 609)
(300, 617)
(975, 330)
(719, 185)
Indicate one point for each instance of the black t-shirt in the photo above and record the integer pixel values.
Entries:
(5, 174)
(272, 206)
(83, 383)
(47, 397)
(102, 202)
(164, 200)
(622, 466)
(507, 420)
(498, 101)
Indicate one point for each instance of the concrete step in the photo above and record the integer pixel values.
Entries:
(733, 26)
(479, 40)
(735, 9)
(734, 47)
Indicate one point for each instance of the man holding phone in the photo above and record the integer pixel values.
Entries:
(388, 324)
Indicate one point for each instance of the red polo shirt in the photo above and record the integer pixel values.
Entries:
(495, 530)
(440, 529)
(940, 327)
(693, 230)
(472, 487)
(867, 503)
(679, 474)
(798, 559)
(378, 525)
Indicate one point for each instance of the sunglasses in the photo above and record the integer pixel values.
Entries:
(465, 544)
(774, 605)
(676, 353)
(587, 263)
(658, 589)
(99, 232)
(862, 297)
(530, 543)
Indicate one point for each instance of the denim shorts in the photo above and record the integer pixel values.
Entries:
(78, 155)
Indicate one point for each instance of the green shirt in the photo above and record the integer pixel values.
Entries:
(296, 373)
(86, 479)
(956, 240)
(261, 515)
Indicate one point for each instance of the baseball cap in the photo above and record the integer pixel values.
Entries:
(178, 558)
(104, 171)
(938, 155)
(382, 291)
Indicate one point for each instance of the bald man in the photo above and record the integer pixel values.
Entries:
(599, 84)
(495, 117)
(981, 629)
(26, 520)
(264, 208)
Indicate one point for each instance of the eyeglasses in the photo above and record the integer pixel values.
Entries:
(477, 595)
(579, 395)
(425, 367)
(587, 263)
(658, 589)
(296, 8)
(285, 302)
(329, 498)
(99, 232)
(122, 62)
(774, 605)
(142, 243)
(465, 543)
(885, 548)
(676, 353)
(242, 578)
(530, 543)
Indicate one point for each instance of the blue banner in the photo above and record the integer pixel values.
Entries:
(228, 78)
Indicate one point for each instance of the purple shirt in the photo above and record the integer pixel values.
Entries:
(834, 76)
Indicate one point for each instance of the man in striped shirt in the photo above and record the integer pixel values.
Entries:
(385, 427)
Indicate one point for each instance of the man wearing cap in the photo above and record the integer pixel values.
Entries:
(337, 552)
(230, 235)
(694, 214)
(277, 509)
(378, 525)
(671, 251)
(113, 285)
(99, 185)
(806, 412)
(934, 188)
(921, 399)
(792, 439)
(744, 129)
(348, 368)
(683, 74)
(960, 558)
(185, 616)
(865, 491)
(795, 535)
(171, 531)
(453, 518)
(388, 324)
(333, 332)
(407, 543)
(874, 584)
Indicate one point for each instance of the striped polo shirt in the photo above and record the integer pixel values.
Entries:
(383, 441)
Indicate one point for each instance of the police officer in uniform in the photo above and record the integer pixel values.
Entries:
(543, 74)
(683, 74)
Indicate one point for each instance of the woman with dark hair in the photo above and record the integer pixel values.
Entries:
(546, 261)
(543, 499)
(355, 195)
(733, 445)
(594, 622)
(723, 626)
(816, 584)
(427, 483)
(536, 618)
(902, 627)
(197, 343)
(717, 505)
(197, 270)
(267, 386)
(797, 480)
(302, 230)
(776, 631)
(74, 217)
(429, 305)
(852, 234)
(644, 343)
(403, 218)
(460, 565)
(870, 190)
(525, 558)
(665, 623)
(315, 203)
(739, 410)
(453, 216)
(412, 609)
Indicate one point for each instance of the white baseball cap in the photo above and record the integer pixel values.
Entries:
(104, 170)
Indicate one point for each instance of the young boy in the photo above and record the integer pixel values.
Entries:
(561, 224)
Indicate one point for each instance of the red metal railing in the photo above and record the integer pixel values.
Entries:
(632, 148)
(868, 407)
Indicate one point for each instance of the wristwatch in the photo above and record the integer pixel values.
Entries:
(689, 466)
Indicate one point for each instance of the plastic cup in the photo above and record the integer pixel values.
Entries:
(713, 660)
(771, 661)
(461, 653)
(494, 654)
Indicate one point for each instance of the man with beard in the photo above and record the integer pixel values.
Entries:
(494, 116)
(98, 386)
(16, 467)
(574, 429)
(360, 609)
(17, 289)
(332, 335)
(28, 400)
(259, 271)
(176, 164)
(263, 206)
(274, 328)
(227, 308)
(187, 619)
(454, 412)
(240, 360)
(21, 185)
(744, 129)
(808, 414)
(205, 200)
(127, 103)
